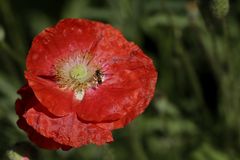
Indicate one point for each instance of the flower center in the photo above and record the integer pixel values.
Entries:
(77, 73)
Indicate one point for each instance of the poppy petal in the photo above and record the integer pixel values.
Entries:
(50, 95)
(22, 105)
(128, 81)
(36, 138)
(67, 130)
(66, 38)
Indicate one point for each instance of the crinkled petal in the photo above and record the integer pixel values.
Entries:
(38, 139)
(22, 105)
(67, 130)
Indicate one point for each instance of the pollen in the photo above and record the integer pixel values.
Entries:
(78, 73)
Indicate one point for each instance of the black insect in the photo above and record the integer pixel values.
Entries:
(99, 76)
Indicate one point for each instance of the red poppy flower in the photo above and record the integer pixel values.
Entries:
(84, 80)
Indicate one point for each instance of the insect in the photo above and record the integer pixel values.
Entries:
(99, 76)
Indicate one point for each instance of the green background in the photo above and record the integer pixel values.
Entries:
(195, 46)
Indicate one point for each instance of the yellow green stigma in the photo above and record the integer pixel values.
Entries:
(79, 72)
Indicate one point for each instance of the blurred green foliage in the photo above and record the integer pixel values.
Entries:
(195, 46)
